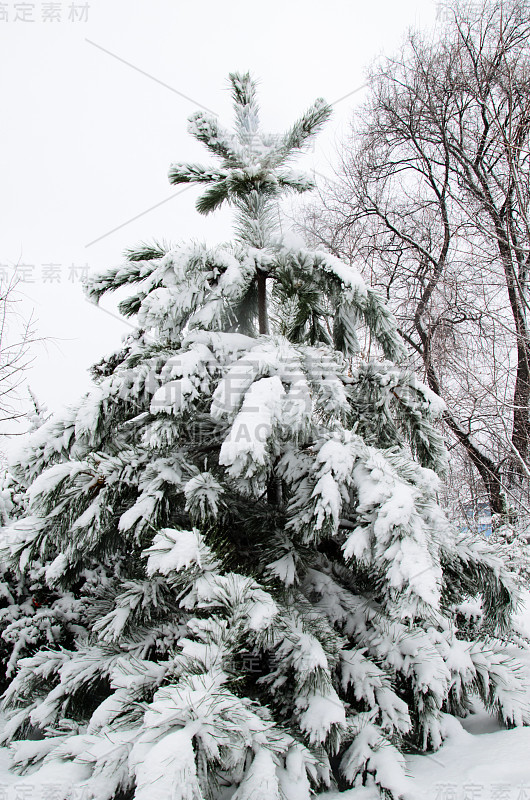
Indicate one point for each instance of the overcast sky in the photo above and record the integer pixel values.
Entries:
(95, 100)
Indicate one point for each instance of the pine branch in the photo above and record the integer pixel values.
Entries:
(212, 198)
(305, 128)
(194, 173)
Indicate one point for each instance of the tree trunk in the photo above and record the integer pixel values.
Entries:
(274, 489)
(521, 401)
(488, 470)
(521, 395)
(262, 302)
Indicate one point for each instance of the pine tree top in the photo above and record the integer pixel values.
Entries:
(264, 281)
(254, 166)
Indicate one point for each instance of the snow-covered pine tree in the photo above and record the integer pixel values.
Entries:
(276, 606)
(31, 614)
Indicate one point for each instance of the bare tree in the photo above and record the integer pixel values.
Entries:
(432, 193)
(16, 336)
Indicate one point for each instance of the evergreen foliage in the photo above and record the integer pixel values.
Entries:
(243, 516)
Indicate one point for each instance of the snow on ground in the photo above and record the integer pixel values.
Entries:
(478, 761)
(475, 766)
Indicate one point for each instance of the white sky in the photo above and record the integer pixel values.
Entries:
(87, 139)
